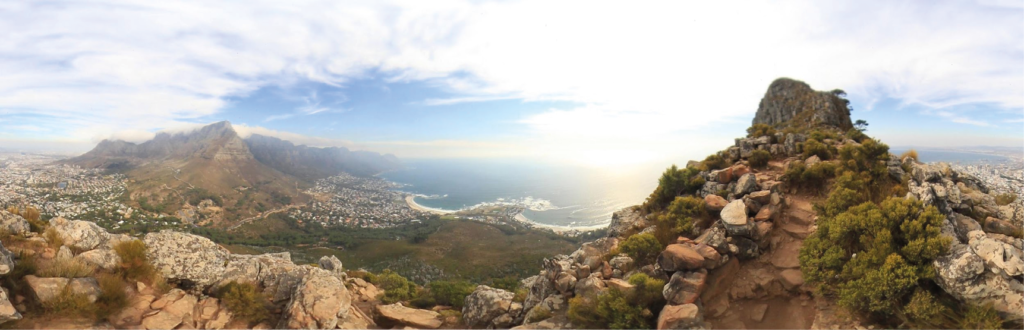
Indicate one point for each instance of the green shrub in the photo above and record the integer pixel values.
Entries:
(872, 256)
(67, 267)
(713, 162)
(51, 236)
(816, 176)
(451, 293)
(396, 288)
(648, 291)
(520, 295)
(679, 218)
(821, 135)
(112, 298)
(813, 147)
(924, 311)
(981, 317)
(541, 313)
(245, 301)
(643, 248)
(612, 309)
(759, 158)
(134, 264)
(673, 182)
(759, 130)
(1005, 199)
(856, 135)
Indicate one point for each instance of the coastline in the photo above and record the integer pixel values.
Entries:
(411, 200)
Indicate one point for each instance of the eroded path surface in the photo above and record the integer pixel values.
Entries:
(766, 292)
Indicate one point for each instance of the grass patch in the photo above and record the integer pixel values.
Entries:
(1005, 199)
(113, 295)
(759, 158)
(245, 301)
(67, 267)
(53, 238)
(134, 265)
(69, 304)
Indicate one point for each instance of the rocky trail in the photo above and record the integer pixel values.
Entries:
(766, 292)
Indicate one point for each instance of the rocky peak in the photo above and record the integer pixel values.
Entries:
(788, 99)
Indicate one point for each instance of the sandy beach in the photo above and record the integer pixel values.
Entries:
(522, 218)
(411, 200)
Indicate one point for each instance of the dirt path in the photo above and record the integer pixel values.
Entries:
(765, 293)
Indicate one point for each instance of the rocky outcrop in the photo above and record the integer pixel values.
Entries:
(100, 258)
(686, 316)
(485, 305)
(6, 260)
(188, 258)
(626, 220)
(788, 99)
(81, 235)
(13, 223)
(7, 311)
(332, 264)
(319, 301)
(416, 318)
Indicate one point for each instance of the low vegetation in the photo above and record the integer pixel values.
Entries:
(245, 301)
(759, 158)
(814, 177)
(68, 303)
(1005, 199)
(643, 248)
(981, 317)
(912, 154)
(679, 218)
(67, 267)
(759, 130)
(713, 162)
(134, 265)
(113, 296)
(31, 215)
(445, 292)
(856, 135)
(614, 309)
(813, 147)
(396, 288)
(673, 182)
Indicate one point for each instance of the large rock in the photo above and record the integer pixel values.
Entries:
(735, 213)
(185, 257)
(677, 257)
(484, 305)
(82, 235)
(686, 316)
(86, 286)
(715, 237)
(320, 300)
(274, 271)
(746, 184)
(961, 273)
(715, 202)
(592, 253)
(100, 258)
(788, 99)
(626, 220)
(998, 256)
(589, 286)
(7, 311)
(331, 264)
(685, 287)
(6, 260)
(13, 224)
(537, 288)
(999, 226)
(416, 318)
(45, 288)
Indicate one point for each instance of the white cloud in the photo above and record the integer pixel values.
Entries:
(640, 71)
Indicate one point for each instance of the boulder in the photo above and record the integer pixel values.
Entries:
(686, 316)
(319, 301)
(161, 320)
(592, 253)
(961, 273)
(677, 257)
(185, 257)
(685, 287)
(621, 262)
(7, 311)
(13, 224)
(999, 226)
(416, 318)
(537, 288)
(484, 305)
(998, 256)
(714, 237)
(712, 259)
(100, 258)
(331, 264)
(64, 253)
(764, 214)
(715, 202)
(81, 235)
(45, 288)
(745, 248)
(626, 220)
(6, 260)
(619, 284)
(746, 184)
(565, 283)
(86, 286)
(589, 286)
(735, 213)
(274, 271)
(762, 197)
(811, 161)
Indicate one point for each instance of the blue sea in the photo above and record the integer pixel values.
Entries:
(560, 195)
(932, 156)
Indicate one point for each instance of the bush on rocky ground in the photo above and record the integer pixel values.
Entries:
(759, 158)
(813, 177)
(396, 288)
(67, 267)
(909, 154)
(679, 218)
(134, 265)
(450, 293)
(981, 317)
(245, 301)
(673, 182)
(643, 248)
(871, 256)
(813, 147)
(112, 298)
(759, 130)
(856, 135)
(713, 162)
(615, 309)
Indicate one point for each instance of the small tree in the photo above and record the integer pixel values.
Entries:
(861, 125)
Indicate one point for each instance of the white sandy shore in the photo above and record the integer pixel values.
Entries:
(411, 200)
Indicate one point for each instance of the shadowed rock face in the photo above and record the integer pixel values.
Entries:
(787, 99)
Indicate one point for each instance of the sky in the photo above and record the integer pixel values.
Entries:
(602, 83)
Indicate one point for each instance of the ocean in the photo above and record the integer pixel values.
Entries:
(559, 195)
(931, 156)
